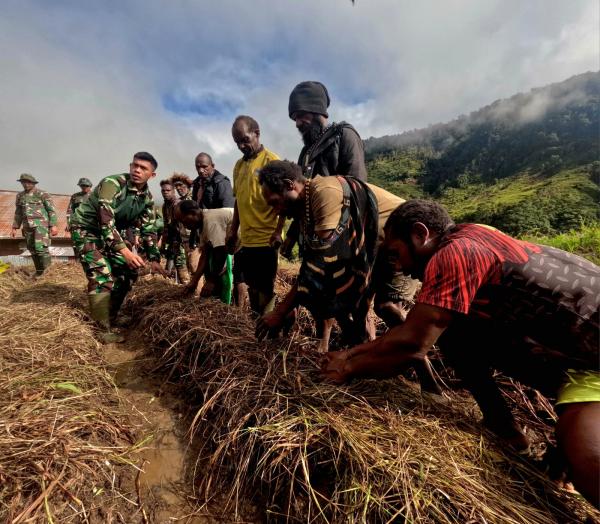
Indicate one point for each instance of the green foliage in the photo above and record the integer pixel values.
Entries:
(527, 165)
(544, 131)
(527, 204)
(399, 172)
(584, 242)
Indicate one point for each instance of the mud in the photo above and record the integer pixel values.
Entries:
(162, 484)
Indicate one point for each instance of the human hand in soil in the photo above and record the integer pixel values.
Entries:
(275, 241)
(133, 260)
(334, 367)
(207, 289)
(155, 267)
(269, 325)
(189, 288)
(13, 232)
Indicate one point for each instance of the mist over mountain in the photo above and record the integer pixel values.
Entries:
(528, 164)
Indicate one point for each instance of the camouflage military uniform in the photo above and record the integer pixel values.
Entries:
(35, 213)
(76, 200)
(114, 206)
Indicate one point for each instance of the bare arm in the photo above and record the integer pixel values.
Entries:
(389, 354)
(232, 235)
(200, 269)
(274, 320)
(276, 238)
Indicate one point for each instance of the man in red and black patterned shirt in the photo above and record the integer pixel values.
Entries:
(494, 302)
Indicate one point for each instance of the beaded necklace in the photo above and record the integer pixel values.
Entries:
(307, 204)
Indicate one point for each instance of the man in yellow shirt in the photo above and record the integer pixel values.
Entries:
(255, 223)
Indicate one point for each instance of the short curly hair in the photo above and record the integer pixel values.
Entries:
(181, 178)
(276, 172)
(433, 215)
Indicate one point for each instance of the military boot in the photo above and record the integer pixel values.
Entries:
(46, 261)
(116, 301)
(183, 276)
(39, 265)
(100, 312)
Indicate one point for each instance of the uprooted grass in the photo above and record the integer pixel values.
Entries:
(64, 439)
(374, 451)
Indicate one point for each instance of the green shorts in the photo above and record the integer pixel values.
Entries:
(580, 386)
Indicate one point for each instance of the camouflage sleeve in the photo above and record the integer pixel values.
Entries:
(70, 208)
(107, 191)
(18, 220)
(50, 209)
(148, 232)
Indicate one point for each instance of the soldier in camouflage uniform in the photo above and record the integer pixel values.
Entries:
(117, 203)
(183, 185)
(35, 213)
(171, 244)
(77, 198)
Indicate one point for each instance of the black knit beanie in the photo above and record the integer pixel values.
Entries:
(309, 96)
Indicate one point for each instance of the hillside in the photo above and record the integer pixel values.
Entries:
(528, 164)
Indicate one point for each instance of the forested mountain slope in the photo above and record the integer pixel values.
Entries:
(527, 164)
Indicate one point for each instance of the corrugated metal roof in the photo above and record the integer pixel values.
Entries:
(7, 212)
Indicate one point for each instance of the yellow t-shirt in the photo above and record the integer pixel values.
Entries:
(326, 197)
(258, 220)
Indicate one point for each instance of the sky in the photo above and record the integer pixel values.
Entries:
(85, 84)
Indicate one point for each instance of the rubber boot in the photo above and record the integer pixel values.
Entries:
(183, 276)
(38, 263)
(117, 297)
(46, 261)
(100, 312)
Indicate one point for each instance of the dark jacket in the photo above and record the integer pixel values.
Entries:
(339, 151)
(215, 193)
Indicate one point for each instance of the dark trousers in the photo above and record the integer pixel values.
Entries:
(257, 268)
(476, 348)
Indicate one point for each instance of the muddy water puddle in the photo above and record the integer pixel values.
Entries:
(161, 483)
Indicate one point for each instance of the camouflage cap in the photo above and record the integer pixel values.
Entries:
(26, 177)
(84, 182)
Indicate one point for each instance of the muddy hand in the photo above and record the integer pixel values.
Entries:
(333, 367)
(268, 325)
(155, 267)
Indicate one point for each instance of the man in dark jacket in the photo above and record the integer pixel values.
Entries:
(211, 189)
(329, 149)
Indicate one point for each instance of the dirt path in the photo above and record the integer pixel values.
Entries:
(162, 484)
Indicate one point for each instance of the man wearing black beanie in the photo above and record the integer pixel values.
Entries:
(329, 149)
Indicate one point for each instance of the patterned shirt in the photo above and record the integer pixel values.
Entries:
(75, 202)
(34, 209)
(537, 293)
(116, 205)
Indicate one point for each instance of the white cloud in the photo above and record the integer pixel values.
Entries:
(84, 84)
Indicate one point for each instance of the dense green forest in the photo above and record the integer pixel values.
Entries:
(529, 165)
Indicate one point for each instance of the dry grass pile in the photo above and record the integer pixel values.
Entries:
(273, 432)
(63, 436)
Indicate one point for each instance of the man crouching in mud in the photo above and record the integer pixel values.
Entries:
(493, 302)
